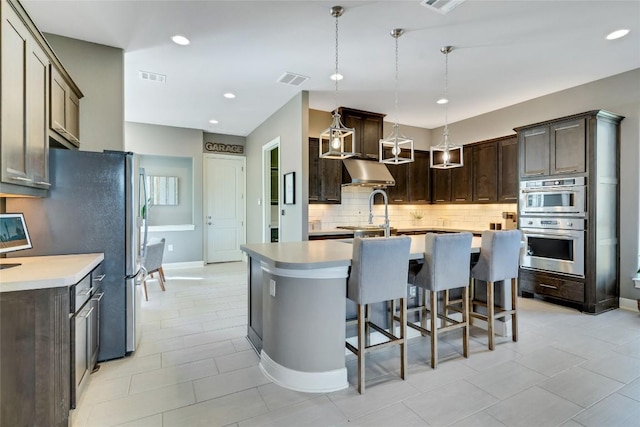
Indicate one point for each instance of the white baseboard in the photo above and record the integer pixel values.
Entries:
(177, 265)
(308, 382)
(628, 304)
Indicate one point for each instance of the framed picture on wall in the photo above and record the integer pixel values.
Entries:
(290, 188)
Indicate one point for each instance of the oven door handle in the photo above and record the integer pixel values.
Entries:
(563, 190)
(543, 235)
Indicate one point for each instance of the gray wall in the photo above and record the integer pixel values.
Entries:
(98, 71)
(619, 94)
(290, 124)
(179, 142)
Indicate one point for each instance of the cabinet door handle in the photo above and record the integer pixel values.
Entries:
(87, 314)
(20, 178)
(99, 278)
(570, 170)
(567, 127)
(483, 198)
(510, 198)
(87, 292)
(462, 200)
(544, 285)
(43, 183)
(332, 199)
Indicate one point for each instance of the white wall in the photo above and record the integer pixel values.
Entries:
(290, 124)
(179, 142)
(619, 94)
(98, 71)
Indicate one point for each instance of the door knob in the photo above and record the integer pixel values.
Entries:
(209, 223)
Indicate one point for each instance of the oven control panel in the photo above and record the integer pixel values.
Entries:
(553, 223)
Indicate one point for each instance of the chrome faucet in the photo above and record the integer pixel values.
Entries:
(385, 226)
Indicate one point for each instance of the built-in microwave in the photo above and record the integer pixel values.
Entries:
(565, 196)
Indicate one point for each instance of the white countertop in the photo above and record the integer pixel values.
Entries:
(416, 228)
(323, 253)
(42, 272)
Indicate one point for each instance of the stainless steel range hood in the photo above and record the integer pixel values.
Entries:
(368, 173)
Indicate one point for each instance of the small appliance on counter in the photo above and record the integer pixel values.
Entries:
(510, 220)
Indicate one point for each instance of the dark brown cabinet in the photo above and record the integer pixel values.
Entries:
(441, 184)
(508, 170)
(368, 128)
(553, 149)
(65, 109)
(587, 144)
(24, 112)
(462, 179)
(485, 172)
(35, 357)
(325, 176)
(567, 153)
(399, 193)
(419, 172)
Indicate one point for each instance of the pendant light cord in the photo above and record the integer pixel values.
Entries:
(336, 74)
(446, 95)
(396, 37)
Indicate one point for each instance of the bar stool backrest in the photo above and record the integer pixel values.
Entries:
(379, 268)
(446, 261)
(499, 256)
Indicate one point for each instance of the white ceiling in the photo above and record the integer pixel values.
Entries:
(505, 52)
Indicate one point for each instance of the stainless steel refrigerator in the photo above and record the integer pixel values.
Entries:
(94, 205)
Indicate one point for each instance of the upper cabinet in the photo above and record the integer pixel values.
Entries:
(368, 128)
(553, 149)
(419, 171)
(485, 172)
(325, 176)
(65, 110)
(508, 170)
(24, 108)
(28, 66)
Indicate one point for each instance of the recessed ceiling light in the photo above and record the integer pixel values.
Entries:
(229, 95)
(617, 34)
(181, 40)
(442, 101)
(213, 121)
(336, 77)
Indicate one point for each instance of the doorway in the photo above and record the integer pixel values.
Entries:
(224, 207)
(271, 191)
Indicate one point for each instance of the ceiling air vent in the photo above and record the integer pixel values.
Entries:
(441, 6)
(153, 77)
(292, 79)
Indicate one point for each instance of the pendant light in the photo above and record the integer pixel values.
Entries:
(446, 155)
(337, 141)
(396, 148)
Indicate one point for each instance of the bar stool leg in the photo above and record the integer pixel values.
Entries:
(423, 316)
(465, 319)
(434, 328)
(490, 314)
(361, 346)
(445, 306)
(367, 328)
(471, 296)
(514, 307)
(403, 335)
(392, 313)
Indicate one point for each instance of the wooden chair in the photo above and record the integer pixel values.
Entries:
(153, 264)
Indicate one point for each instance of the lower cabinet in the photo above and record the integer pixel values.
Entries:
(564, 288)
(34, 357)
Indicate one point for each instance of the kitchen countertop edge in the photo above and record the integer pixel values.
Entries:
(45, 272)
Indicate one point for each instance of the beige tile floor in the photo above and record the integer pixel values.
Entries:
(194, 367)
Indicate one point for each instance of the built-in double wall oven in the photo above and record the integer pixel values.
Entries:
(553, 219)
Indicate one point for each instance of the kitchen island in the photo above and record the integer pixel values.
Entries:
(297, 310)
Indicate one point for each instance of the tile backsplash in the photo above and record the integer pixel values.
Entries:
(354, 210)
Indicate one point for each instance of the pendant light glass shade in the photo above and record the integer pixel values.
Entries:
(446, 155)
(337, 141)
(396, 148)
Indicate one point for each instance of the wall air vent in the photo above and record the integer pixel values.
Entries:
(441, 6)
(292, 79)
(152, 77)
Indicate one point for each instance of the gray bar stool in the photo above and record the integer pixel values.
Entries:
(446, 266)
(498, 262)
(379, 268)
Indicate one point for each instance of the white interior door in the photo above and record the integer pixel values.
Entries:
(224, 219)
